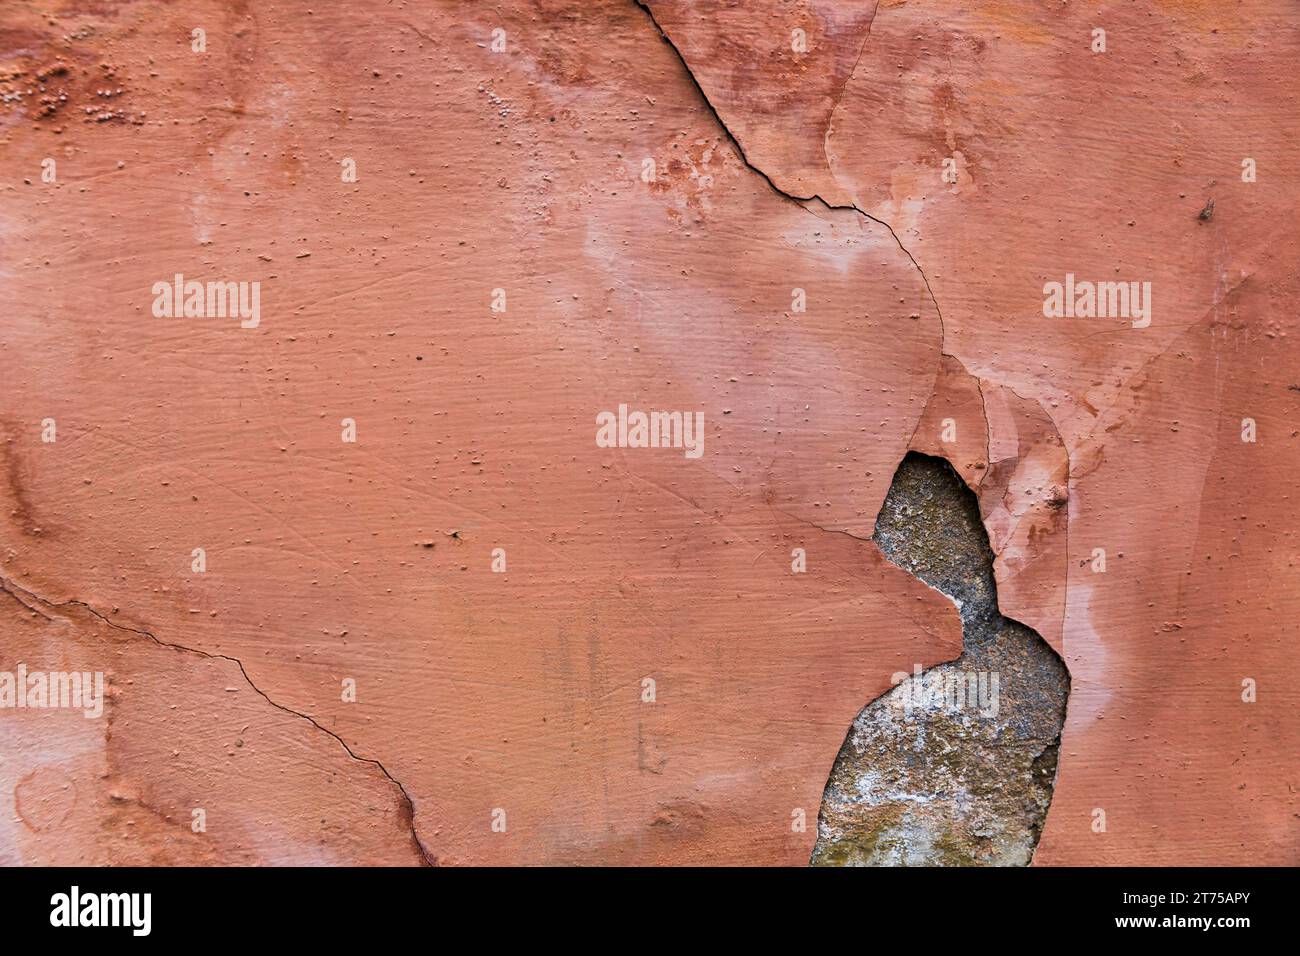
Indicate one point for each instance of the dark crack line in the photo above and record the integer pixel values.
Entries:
(988, 428)
(740, 150)
(830, 118)
(813, 524)
(23, 604)
(835, 107)
(984, 411)
(14, 590)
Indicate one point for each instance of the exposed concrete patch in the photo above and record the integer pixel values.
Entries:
(955, 766)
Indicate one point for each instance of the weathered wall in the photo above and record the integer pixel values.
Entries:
(522, 170)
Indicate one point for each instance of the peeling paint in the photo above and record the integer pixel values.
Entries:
(956, 765)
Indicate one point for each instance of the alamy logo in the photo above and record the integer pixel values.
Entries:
(1098, 300)
(948, 691)
(53, 690)
(103, 909)
(208, 300)
(651, 430)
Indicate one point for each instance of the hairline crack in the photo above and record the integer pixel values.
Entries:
(17, 592)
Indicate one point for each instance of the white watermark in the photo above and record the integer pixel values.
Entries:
(208, 300)
(52, 690)
(1098, 300)
(103, 909)
(948, 691)
(651, 430)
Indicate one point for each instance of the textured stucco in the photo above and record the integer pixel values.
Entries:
(521, 170)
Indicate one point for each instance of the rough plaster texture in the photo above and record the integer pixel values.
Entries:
(522, 692)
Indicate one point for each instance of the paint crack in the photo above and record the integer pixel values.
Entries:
(801, 200)
(26, 597)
